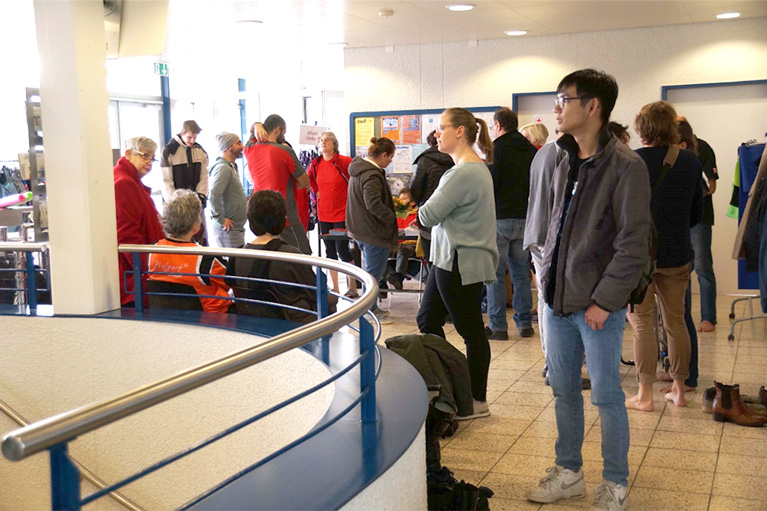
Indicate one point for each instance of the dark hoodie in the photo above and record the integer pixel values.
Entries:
(512, 156)
(431, 165)
(370, 216)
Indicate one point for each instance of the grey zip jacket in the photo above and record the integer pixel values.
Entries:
(604, 239)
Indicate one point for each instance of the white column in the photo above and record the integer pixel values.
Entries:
(78, 157)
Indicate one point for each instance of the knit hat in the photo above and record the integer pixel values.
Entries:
(226, 140)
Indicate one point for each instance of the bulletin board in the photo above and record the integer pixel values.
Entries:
(408, 130)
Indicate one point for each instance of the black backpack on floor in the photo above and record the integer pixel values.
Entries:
(445, 492)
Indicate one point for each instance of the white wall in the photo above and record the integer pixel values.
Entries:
(641, 60)
(52, 365)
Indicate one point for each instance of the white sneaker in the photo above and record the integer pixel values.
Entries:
(481, 409)
(560, 483)
(609, 496)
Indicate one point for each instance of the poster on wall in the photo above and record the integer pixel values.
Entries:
(364, 129)
(390, 128)
(429, 123)
(411, 129)
(402, 162)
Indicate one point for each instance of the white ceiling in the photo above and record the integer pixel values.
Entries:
(311, 24)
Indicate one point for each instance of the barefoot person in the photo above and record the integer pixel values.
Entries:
(676, 205)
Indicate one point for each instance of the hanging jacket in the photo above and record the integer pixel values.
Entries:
(439, 363)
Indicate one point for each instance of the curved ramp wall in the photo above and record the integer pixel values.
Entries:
(52, 365)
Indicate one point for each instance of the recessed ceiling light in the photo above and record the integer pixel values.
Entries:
(255, 22)
(515, 32)
(460, 7)
(728, 15)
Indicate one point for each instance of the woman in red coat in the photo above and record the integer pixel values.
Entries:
(329, 179)
(137, 220)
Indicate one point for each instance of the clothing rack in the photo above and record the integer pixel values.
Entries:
(758, 188)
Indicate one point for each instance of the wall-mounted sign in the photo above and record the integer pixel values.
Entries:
(310, 135)
(161, 68)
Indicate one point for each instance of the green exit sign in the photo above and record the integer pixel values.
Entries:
(161, 69)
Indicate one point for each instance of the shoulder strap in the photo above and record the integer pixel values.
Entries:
(668, 162)
(333, 161)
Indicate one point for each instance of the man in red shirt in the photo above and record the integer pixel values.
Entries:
(275, 166)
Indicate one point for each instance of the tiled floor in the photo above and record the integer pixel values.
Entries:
(679, 459)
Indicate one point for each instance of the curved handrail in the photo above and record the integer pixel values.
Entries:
(84, 472)
(64, 427)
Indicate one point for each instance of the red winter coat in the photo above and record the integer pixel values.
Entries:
(137, 220)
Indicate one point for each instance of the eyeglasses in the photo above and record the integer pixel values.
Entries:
(560, 101)
(146, 157)
(441, 127)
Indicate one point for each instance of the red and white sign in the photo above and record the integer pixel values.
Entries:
(310, 135)
(538, 120)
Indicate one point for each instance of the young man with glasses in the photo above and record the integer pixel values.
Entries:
(596, 246)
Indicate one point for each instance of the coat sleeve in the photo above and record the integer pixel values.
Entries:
(312, 173)
(219, 180)
(631, 211)
(372, 190)
(168, 187)
(447, 197)
(202, 186)
(419, 181)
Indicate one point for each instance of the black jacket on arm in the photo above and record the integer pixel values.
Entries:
(512, 156)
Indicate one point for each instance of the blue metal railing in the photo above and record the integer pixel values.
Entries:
(55, 433)
(25, 288)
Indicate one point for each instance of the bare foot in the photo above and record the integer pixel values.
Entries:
(676, 397)
(706, 326)
(667, 389)
(665, 377)
(634, 403)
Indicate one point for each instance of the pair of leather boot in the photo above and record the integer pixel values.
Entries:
(728, 406)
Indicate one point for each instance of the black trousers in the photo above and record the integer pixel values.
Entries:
(445, 294)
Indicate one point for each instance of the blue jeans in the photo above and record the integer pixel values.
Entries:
(566, 340)
(704, 268)
(374, 259)
(509, 236)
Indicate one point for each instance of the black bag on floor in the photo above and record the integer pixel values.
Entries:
(447, 493)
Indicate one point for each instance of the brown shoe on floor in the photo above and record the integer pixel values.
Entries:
(728, 407)
(763, 395)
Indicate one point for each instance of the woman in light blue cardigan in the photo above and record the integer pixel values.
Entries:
(461, 213)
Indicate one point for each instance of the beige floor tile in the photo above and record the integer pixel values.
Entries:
(744, 446)
(475, 461)
(469, 476)
(691, 411)
(754, 378)
(495, 425)
(638, 420)
(499, 504)
(731, 485)
(685, 441)
(533, 446)
(651, 499)
(528, 387)
(516, 412)
(733, 430)
(684, 425)
(721, 503)
(523, 465)
(690, 481)
(544, 429)
(741, 465)
(525, 399)
(482, 441)
(507, 486)
(681, 460)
